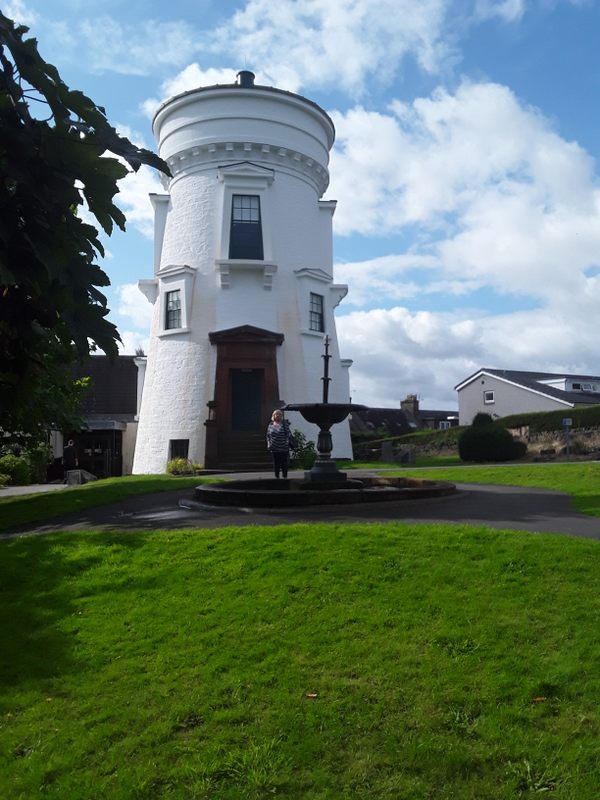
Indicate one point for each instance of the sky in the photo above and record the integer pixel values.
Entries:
(465, 164)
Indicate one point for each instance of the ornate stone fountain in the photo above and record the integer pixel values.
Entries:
(324, 414)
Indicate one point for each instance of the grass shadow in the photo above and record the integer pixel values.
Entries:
(36, 580)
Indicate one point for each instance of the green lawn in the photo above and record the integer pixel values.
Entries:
(421, 461)
(323, 661)
(24, 509)
(579, 479)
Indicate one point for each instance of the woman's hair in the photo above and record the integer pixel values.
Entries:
(277, 412)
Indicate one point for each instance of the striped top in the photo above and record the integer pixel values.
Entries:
(278, 437)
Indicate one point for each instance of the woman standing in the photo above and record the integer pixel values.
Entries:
(278, 442)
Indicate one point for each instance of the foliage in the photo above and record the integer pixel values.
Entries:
(358, 437)
(39, 456)
(582, 416)
(481, 419)
(300, 661)
(180, 466)
(51, 306)
(54, 401)
(16, 468)
(485, 441)
(4, 479)
(424, 439)
(305, 452)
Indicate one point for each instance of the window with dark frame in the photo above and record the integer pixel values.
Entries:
(488, 397)
(173, 310)
(245, 238)
(316, 318)
(179, 448)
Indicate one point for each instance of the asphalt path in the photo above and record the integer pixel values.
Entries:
(503, 507)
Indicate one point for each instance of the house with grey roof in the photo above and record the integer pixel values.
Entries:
(502, 392)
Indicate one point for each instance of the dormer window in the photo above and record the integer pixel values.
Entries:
(245, 239)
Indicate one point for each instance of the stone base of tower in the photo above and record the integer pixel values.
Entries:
(238, 371)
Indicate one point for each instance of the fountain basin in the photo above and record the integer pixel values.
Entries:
(293, 492)
(323, 414)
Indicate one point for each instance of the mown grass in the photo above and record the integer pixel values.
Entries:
(23, 509)
(581, 479)
(420, 461)
(304, 661)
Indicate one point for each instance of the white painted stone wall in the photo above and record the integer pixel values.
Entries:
(221, 141)
(128, 447)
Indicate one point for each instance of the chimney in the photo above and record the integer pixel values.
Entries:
(411, 405)
(245, 79)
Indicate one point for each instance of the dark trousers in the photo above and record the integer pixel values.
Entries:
(280, 463)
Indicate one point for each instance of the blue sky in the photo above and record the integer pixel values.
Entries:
(465, 165)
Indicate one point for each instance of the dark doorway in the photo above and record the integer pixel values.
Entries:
(246, 399)
(99, 452)
(246, 392)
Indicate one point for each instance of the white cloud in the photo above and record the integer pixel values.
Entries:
(488, 196)
(192, 77)
(132, 341)
(134, 307)
(138, 49)
(396, 352)
(134, 201)
(507, 10)
(495, 196)
(18, 11)
(304, 43)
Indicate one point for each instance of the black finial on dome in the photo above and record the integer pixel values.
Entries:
(245, 79)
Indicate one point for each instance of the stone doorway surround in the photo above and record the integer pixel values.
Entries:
(242, 348)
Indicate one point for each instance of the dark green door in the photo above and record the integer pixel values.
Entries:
(246, 399)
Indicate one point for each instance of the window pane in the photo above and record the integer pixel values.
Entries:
(178, 448)
(173, 310)
(316, 318)
(245, 239)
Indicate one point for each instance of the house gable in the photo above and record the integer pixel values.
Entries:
(505, 392)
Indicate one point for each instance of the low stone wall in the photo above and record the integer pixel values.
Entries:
(582, 441)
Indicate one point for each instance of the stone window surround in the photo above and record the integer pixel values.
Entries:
(245, 178)
(317, 281)
(170, 279)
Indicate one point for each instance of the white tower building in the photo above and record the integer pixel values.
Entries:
(243, 290)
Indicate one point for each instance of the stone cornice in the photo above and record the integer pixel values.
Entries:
(207, 156)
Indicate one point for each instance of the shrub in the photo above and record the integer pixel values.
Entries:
(180, 466)
(17, 468)
(489, 443)
(39, 457)
(4, 479)
(480, 419)
(305, 452)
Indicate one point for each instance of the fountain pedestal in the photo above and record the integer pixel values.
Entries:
(324, 415)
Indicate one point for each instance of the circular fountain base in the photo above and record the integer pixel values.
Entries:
(283, 493)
